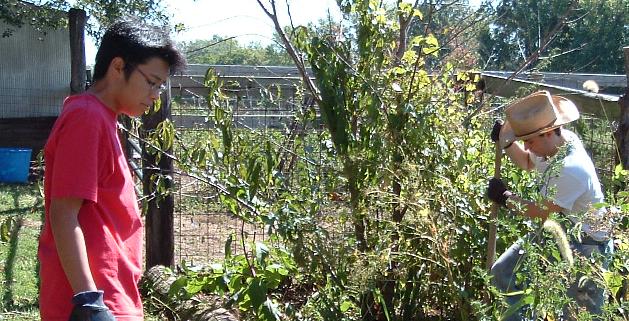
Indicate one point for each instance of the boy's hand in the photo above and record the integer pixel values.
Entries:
(89, 306)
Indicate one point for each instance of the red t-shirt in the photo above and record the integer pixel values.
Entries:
(84, 159)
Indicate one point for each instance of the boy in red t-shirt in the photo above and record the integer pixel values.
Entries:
(91, 244)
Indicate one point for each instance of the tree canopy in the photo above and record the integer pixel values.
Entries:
(50, 14)
(228, 51)
(574, 36)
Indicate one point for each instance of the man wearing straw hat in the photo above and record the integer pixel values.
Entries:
(533, 138)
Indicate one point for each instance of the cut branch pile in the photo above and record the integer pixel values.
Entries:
(157, 282)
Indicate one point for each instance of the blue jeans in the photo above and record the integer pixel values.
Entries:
(589, 295)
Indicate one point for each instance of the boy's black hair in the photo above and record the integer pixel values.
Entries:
(136, 42)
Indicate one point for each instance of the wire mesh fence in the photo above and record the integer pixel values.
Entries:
(30, 102)
(597, 136)
(264, 110)
(203, 224)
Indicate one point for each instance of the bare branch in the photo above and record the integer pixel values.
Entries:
(533, 57)
(290, 16)
(292, 52)
(566, 52)
(268, 13)
(210, 45)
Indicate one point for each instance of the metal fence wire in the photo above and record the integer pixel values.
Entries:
(30, 102)
(597, 135)
(202, 224)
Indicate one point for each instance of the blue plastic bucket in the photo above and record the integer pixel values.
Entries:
(14, 164)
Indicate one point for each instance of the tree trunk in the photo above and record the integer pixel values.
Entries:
(160, 240)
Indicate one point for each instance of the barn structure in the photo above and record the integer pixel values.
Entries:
(34, 79)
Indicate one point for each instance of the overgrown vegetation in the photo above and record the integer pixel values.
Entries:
(399, 177)
(373, 199)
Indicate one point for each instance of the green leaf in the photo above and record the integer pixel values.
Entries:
(195, 286)
(527, 299)
(620, 173)
(418, 14)
(614, 281)
(346, 305)
(262, 252)
(228, 246)
(269, 311)
(253, 178)
(270, 160)
(256, 291)
(231, 204)
(176, 286)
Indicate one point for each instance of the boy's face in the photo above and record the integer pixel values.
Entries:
(143, 87)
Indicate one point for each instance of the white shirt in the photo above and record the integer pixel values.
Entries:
(572, 184)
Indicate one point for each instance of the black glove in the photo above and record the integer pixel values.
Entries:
(496, 191)
(89, 306)
(495, 131)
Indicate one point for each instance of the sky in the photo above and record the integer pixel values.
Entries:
(243, 19)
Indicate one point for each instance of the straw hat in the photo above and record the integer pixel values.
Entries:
(536, 114)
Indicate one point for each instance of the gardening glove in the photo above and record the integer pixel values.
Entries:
(89, 306)
(496, 191)
(495, 131)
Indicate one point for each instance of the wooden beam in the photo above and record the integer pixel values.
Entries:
(622, 134)
(601, 105)
(76, 21)
(31, 132)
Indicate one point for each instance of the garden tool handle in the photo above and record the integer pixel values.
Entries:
(491, 241)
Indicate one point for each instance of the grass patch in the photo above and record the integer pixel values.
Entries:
(21, 209)
(21, 212)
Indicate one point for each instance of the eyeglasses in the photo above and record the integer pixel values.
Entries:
(152, 85)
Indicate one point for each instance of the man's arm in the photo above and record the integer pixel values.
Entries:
(498, 192)
(530, 208)
(70, 243)
(516, 152)
(519, 156)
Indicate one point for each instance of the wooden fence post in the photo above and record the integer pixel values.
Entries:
(622, 134)
(76, 25)
(160, 240)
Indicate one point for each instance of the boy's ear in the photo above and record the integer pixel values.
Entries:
(116, 67)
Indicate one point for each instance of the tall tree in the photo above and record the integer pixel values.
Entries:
(557, 35)
(594, 43)
(456, 25)
(44, 15)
